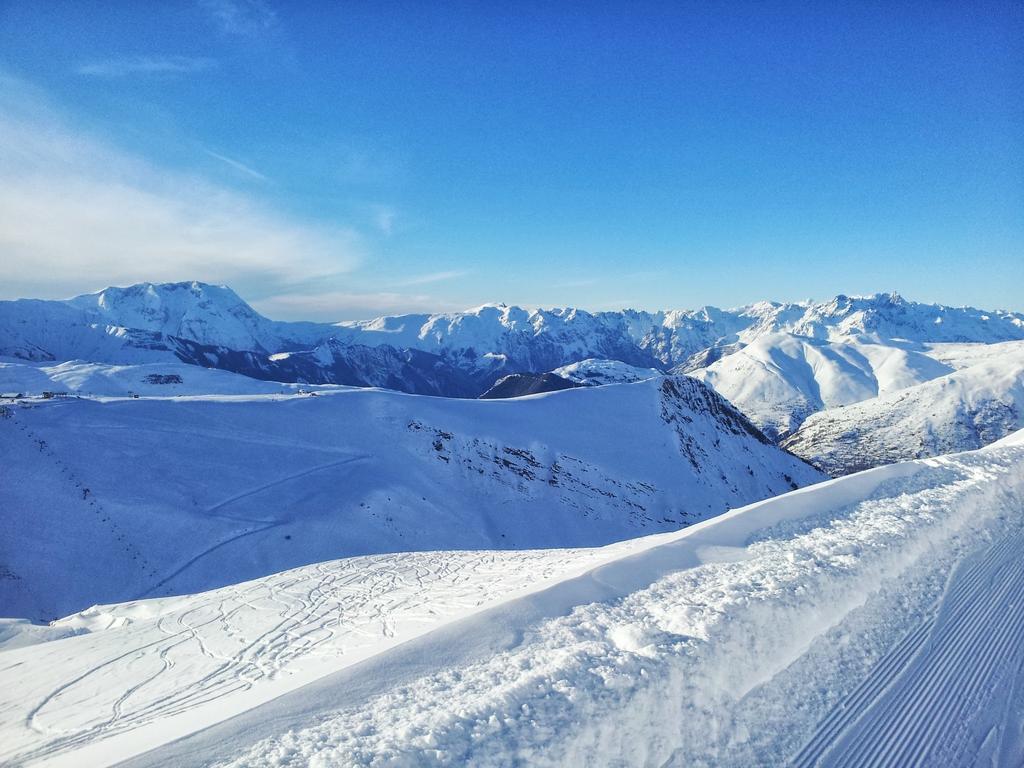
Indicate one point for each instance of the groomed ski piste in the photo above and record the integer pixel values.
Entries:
(877, 619)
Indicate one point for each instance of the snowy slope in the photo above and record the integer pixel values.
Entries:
(960, 356)
(875, 619)
(168, 379)
(201, 658)
(166, 496)
(765, 637)
(967, 409)
(594, 373)
(781, 379)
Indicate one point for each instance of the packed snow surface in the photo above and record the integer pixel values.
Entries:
(876, 619)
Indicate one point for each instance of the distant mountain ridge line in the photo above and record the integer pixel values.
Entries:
(453, 354)
(138, 306)
(196, 285)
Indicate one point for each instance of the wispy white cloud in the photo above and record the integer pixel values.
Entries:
(78, 213)
(349, 305)
(358, 163)
(384, 218)
(145, 65)
(434, 277)
(238, 165)
(241, 17)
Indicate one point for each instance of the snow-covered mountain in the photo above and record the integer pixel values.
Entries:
(777, 363)
(337, 362)
(780, 379)
(532, 339)
(211, 326)
(460, 353)
(586, 373)
(209, 315)
(138, 323)
(960, 411)
(496, 556)
(158, 496)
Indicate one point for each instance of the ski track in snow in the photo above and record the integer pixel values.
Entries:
(799, 630)
(264, 525)
(903, 713)
(194, 655)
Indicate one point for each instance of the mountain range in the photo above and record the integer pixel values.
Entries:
(778, 363)
(453, 354)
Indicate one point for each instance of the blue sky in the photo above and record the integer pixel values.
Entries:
(344, 160)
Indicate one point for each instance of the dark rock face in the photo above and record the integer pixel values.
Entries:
(519, 384)
(163, 378)
(682, 395)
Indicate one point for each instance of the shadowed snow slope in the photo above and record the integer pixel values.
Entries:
(163, 496)
(879, 612)
(964, 410)
(520, 384)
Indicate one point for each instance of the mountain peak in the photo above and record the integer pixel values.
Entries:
(195, 287)
(209, 314)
